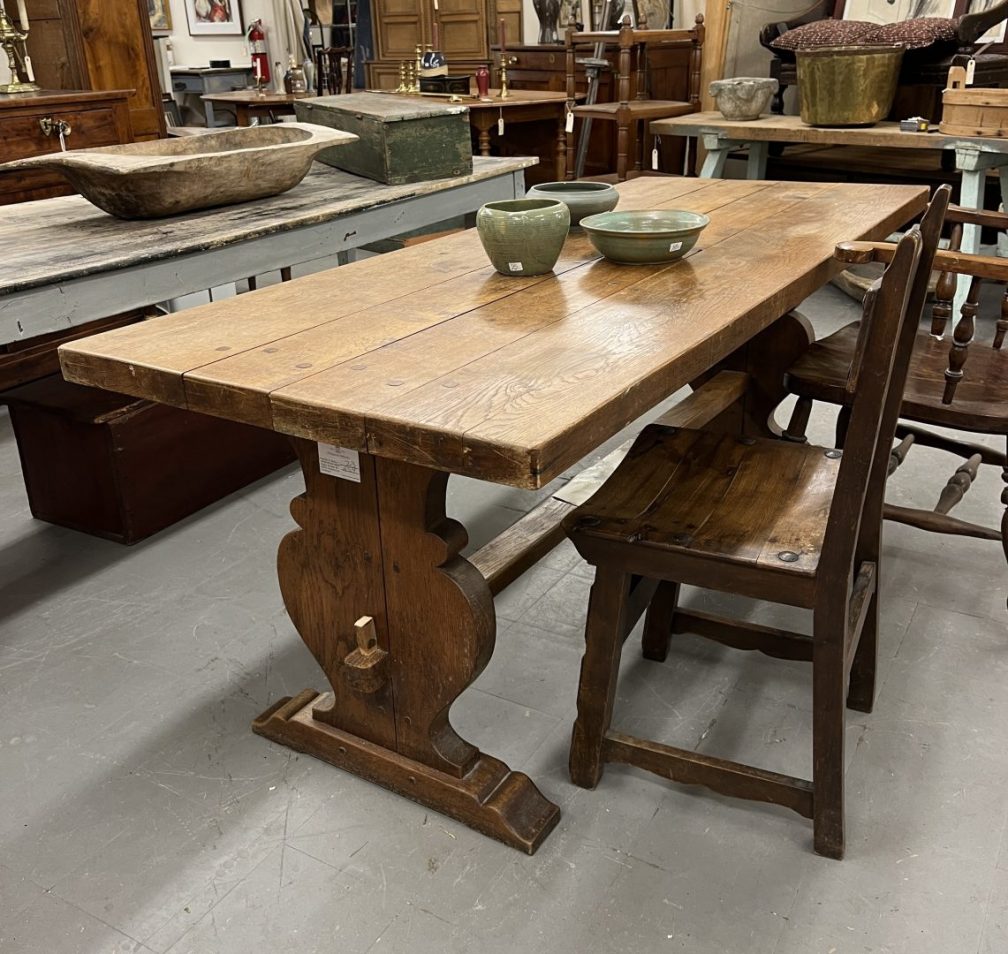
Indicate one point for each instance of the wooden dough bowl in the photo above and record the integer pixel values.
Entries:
(151, 180)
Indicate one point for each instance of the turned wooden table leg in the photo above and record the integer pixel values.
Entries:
(561, 149)
(484, 141)
(383, 548)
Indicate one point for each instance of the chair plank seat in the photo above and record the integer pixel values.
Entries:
(737, 501)
(981, 399)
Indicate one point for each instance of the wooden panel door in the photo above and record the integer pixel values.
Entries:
(510, 11)
(399, 27)
(463, 26)
(119, 54)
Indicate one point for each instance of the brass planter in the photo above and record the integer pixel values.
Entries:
(847, 85)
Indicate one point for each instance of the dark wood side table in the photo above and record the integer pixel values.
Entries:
(249, 104)
(523, 106)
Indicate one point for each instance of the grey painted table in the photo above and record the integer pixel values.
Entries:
(67, 263)
(200, 80)
(720, 136)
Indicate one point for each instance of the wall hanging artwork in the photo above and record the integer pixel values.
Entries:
(214, 17)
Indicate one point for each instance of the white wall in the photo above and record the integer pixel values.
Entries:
(199, 50)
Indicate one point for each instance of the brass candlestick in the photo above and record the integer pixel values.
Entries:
(419, 66)
(402, 87)
(12, 39)
(503, 79)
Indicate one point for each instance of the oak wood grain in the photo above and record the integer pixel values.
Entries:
(511, 381)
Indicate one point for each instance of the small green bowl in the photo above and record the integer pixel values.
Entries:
(645, 238)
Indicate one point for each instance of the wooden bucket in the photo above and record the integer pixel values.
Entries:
(972, 112)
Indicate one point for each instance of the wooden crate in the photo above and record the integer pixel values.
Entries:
(401, 139)
(123, 468)
(973, 112)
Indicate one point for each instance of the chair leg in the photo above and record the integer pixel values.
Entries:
(1004, 518)
(861, 690)
(828, 732)
(658, 621)
(842, 423)
(798, 425)
(599, 668)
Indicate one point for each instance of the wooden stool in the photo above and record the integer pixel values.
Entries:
(791, 523)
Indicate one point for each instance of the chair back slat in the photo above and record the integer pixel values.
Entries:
(881, 361)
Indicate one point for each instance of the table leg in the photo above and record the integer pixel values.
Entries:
(972, 165)
(384, 548)
(717, 153)
(242, 114)
(208, 112)
(756, 163)
(561, 149)
(484, 141)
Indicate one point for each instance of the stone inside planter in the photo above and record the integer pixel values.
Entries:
(743, 98)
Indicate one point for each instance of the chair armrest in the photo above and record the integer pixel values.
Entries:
(993, 220)
(946, 260)
(973, 25)
(820, 10)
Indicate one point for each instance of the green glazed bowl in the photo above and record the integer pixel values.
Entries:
(582, 198)
(523, 237)
(644, 238)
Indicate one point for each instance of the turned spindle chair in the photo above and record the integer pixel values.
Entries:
(764, 518)
(633, 110)
(950, 384)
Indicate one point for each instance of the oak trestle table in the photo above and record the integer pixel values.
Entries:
(392, 373)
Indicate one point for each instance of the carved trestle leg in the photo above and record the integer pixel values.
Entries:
(383, 548)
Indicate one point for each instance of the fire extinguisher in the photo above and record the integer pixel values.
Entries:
(259, 53)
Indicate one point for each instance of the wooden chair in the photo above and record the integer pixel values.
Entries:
(942, 389)
(763, 518)
(331, 78)
(632, 106)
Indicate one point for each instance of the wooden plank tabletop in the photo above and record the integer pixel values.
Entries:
(772, 128)
(427, 355)
(56, 240)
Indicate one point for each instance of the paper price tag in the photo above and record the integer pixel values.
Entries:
(500, 126)
(339, 462)
(569, 123)
(970, 70)
(654, 158)
(516, 266)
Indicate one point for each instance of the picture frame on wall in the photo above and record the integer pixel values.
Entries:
(214, 17)
(160, 16)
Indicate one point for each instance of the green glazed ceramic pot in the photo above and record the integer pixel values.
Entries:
(582, 198)
(644, 238)
(523, 236)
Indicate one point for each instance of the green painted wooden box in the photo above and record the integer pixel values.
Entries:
(400, 139)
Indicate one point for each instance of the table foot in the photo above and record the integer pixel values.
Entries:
(490, 797)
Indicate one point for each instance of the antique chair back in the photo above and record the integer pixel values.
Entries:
(332, 75)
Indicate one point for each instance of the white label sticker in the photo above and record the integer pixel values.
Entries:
(339, 462)
(569, 124)
(516, 266)
(675, 246)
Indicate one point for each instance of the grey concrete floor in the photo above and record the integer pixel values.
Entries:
(140, 813)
